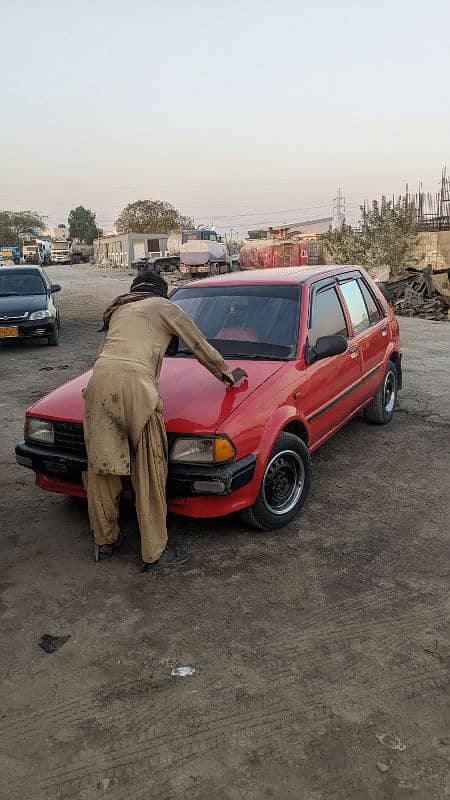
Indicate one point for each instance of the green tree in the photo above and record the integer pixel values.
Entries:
(82, 225)
(345, 245)
(16, 225)
(152, 216)
(387, 235)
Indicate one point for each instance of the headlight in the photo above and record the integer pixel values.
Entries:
(203, 450)
(40, 315)
(39, 430)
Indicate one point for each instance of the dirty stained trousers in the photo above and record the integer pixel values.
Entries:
(148, 472)
(123, 418)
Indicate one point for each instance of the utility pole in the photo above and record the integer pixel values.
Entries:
(338, 211)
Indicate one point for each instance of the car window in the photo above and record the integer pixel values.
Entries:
(327, 317)
(21, 284)
(372, 307)
(356, 305)
(245, 321)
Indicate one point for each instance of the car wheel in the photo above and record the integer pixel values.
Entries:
(284, 486)
(381, 409)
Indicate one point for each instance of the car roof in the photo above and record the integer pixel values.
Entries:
(21, 270)
(286, 275)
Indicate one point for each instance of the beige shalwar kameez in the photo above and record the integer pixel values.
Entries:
(123, 417)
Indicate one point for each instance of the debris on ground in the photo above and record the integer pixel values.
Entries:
(392, 742)
(104, 784)
(49, 369)
(50, 643)
(182, 672)
(417, 294)
(382, 767)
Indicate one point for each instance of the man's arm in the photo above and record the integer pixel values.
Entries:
(180, 325)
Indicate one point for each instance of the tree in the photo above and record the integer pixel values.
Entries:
(82, 225)
(152, 216)
(16, 225)
(390, 233)
(387, 235)
(344, 245)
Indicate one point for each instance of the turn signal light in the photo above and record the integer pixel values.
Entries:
(223, 450)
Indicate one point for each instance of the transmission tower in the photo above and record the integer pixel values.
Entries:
(338, 211)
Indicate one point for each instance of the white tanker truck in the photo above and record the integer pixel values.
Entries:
(199, 252)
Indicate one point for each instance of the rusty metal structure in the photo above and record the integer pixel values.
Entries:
(433, 209)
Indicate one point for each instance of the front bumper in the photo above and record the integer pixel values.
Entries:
(184, 480)
(38, 327)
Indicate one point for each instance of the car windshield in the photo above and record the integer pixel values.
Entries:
(244, 321)
(20, 284)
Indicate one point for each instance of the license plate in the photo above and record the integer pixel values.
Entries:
(5, 332)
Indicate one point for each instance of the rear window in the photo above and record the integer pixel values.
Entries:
(372, 308)
(21, 284)
(245, 321)
(356, 305)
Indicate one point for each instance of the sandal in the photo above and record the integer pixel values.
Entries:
(170, 557)
(102, 554)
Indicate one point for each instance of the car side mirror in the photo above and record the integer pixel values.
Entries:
(325, 347)
(55, 287)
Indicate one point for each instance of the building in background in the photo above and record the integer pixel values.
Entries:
(121, 250)
(310, 227)
(306, 233)
(59, 233)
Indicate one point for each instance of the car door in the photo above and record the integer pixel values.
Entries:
(329, 395)
(369, 330)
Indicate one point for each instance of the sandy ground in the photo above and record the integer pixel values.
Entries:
(321, 654)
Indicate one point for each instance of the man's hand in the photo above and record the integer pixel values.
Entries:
(237, 374)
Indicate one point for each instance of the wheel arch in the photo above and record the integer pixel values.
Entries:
(396, 358)
(285, 420)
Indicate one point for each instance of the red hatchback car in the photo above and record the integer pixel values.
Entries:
(318, 344)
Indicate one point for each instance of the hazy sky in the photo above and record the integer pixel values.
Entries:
(244, 113)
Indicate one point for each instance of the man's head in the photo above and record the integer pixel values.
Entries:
(150, 282)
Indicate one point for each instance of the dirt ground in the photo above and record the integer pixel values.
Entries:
(321, 653)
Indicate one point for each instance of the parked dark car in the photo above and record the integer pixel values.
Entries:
(28, 308)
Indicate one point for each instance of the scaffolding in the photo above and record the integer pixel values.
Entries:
(432, 209)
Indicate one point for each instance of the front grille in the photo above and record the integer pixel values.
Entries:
(69, 436)
(14, 318)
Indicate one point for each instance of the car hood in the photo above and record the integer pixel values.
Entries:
(17, 306)
(194, 401)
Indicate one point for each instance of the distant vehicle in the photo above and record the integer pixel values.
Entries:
(36, 251)
(197, 252)
(10, 254)
(61, 251)
(28, 308)
(81, 253)
(318, 345)
(269, 253)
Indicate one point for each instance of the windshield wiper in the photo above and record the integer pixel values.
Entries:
(9, 294)
(253, 356)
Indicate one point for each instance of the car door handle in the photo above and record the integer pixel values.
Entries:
(384, 331)
(353, 350)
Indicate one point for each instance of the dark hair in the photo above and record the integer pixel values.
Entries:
(149, 281)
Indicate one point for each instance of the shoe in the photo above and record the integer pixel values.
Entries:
(108, 549)
(170, 557)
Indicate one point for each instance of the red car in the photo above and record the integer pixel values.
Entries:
(318, 344)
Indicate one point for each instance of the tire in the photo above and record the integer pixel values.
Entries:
(278, 503)
(381, 409)
(53, 339)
